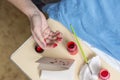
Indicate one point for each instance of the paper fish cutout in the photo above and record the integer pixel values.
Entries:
(66, 74)
(54, 64)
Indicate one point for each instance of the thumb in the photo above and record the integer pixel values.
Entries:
(39, 40)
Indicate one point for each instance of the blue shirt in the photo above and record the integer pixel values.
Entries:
(95, 21)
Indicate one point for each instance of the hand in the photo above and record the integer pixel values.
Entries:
(41, 32)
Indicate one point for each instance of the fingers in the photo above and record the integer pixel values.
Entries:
(49, 41)
(55, 36)
(35, 29)
(41, 38)
(53, 39)
(39, 42)
(46, 32)
(43, 35)
(58, 36)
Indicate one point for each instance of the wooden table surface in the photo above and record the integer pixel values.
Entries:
(25, 57)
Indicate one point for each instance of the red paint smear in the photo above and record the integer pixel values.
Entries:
(54, 45)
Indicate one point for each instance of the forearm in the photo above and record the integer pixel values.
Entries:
(26, 6)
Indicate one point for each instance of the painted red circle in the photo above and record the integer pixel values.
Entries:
(72, 47)
(39, 49)
(104, 73)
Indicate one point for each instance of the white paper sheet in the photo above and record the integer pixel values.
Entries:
(108, 59)
(95, 66)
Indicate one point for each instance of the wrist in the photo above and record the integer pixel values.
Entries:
(31, 9)
(32, 13)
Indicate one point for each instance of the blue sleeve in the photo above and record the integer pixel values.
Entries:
(95, 21)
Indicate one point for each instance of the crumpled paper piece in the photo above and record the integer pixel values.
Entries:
(95, 66)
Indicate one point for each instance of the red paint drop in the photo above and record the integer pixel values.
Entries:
(54, 45)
